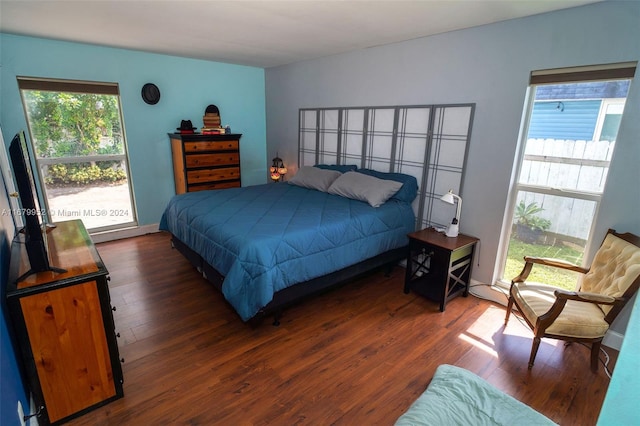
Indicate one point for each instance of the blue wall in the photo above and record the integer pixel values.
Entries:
(187, 86)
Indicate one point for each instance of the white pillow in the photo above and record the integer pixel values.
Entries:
(365, 188)
(314, 178)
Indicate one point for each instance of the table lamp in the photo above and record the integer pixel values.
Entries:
(450, 198)
(277, 169)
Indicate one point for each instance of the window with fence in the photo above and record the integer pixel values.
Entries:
(570, 134)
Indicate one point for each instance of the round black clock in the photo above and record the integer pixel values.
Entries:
(150, 94)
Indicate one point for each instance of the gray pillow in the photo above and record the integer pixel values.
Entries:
(314, 178)
(365, 188)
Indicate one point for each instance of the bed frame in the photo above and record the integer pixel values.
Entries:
(296, 293)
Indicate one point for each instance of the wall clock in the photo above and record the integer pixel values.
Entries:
(150, 94)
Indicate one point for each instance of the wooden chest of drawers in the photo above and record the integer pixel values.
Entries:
(64, 326)
(205, 161)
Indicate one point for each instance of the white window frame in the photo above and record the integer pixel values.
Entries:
(79, 86)
(602, 114)
(516, 186)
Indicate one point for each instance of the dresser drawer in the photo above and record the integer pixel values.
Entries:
(215, 185)
(207, 160)
(209, 175)
(201, 146)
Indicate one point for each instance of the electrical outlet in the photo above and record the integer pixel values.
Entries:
(21, 414)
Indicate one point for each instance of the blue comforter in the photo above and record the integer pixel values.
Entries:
(267, 237)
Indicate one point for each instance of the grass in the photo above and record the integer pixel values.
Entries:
(543, 274)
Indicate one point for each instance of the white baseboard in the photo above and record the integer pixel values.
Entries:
(496, 294)
(118, 234)
(613, 339)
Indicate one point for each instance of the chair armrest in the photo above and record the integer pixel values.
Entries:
(583, 296)
(556, 263)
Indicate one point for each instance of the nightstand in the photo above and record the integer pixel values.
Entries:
(439, 267)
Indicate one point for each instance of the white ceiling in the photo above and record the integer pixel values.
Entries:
(257, 33)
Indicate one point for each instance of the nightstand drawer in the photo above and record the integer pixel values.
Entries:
(461, 253)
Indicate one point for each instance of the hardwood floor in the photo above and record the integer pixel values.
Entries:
(360, 354)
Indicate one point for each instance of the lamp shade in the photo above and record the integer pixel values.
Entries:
(450, 198)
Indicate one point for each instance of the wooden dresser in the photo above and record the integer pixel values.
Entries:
(205, 161)
(64, 326)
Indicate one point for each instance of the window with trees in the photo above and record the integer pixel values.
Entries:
(80, 149)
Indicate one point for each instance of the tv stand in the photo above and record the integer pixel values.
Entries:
(40, 262)
(64, 327)
(50, 269)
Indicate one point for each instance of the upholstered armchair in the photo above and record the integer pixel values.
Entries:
(584, 315)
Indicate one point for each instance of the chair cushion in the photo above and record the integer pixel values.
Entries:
(615, 266)
(578, 319)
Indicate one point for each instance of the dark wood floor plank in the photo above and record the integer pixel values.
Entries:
(358, 355)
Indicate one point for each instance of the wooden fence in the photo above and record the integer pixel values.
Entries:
(570, 165)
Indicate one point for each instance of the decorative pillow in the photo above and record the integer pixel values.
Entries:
(314, 178)
(359, 186)
(409, 190)
(342, 168)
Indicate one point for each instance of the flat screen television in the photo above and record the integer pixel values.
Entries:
(34, 233)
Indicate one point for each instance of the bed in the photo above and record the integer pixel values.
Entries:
(268, 246)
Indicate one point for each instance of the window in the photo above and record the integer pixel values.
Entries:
(77, 136)
(570, 132)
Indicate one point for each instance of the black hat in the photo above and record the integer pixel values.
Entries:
(212, 109)
(186, 125)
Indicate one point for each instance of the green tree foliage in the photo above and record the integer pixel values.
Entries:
(66, 124)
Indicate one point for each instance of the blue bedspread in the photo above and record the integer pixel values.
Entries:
(267, 237)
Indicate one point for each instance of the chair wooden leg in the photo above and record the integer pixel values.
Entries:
(534, 351)
(509, 306)
(595, 355)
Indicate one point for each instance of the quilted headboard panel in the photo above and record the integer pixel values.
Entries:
(429, 142)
